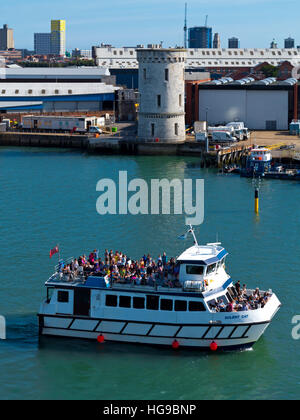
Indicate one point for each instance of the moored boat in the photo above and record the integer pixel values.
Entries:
(259, 164)
(195, 304)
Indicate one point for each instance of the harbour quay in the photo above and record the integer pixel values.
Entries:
(58, 140)
(232, 115)
(125, 141)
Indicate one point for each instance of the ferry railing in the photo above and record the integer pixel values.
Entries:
(62, 263)
(157, 284)
(59, 277)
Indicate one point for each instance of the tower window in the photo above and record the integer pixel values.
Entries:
(145, 74)
(180, 100)
(166, 75)
(176, 129)
(152, 129)
(159, 101)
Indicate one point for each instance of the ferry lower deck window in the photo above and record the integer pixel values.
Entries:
(125, 302)
(139, 303)
(152, 302)
(180, 305)
(196, 270)
(62, 296)
(166, 305)
(111, 300)
(196, 306)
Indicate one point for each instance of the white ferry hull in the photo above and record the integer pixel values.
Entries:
(198, 336)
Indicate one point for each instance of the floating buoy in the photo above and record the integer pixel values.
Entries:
(175, 344)
(213, 346)
(256, 201)
(100, 338)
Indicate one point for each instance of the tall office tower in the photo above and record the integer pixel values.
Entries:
(42, 44)
(289, 43)
(200, 37)
(233, 43)
(58, 37)
(217, 41)
(6, 38)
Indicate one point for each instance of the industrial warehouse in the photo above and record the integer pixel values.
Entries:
(50, 97)
(263, 105)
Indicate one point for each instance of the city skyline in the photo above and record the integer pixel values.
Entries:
(159, 21)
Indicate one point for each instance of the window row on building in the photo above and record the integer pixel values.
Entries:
(30, 92)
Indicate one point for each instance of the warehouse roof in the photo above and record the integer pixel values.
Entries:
(44, 72)
(249, 83)
(54, 89)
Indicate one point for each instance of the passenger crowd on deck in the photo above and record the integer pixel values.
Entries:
(148, 272)
(241, 300)
(122, 269)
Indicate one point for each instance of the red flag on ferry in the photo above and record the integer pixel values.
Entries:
(54, 251)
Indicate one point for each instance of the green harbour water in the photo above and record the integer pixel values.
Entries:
(48, 196)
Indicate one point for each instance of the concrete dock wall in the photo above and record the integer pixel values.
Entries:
(43, 140)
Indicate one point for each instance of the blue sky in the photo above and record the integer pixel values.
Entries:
(131, 22)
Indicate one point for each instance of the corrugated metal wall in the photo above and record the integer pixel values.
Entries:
(255, 107)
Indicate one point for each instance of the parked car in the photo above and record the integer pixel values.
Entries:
(95, 130)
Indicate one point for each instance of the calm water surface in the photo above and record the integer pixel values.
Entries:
(49, 197)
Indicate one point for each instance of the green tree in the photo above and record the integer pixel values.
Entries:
(270, 71)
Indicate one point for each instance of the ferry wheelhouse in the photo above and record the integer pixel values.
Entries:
(98, 308)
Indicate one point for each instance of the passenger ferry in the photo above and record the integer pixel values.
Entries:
(187, 315)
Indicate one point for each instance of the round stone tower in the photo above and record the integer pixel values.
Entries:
(161, 88)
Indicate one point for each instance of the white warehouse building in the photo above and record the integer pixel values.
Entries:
(126, 57)
(263, 105)
(56, 97)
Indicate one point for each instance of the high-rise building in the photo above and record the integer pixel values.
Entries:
(289, 43)
(217, 41)
(42, 44)
(6, 38)
(200, 37)
(233, 43)
(58, 37)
